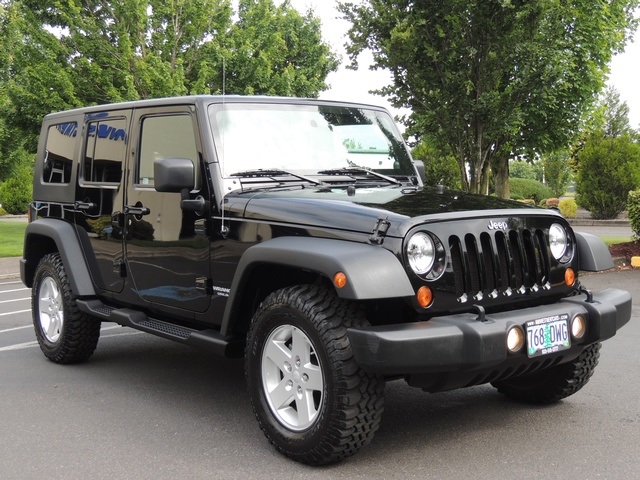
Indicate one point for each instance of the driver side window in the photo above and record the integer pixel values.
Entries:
(169, 136)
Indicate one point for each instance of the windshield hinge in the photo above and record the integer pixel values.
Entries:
(380, 231)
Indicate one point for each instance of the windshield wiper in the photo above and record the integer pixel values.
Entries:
(360, 170)
(270, 173)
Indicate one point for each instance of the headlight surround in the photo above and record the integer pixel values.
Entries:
(425, 255)
(421, 253)
(558, 242)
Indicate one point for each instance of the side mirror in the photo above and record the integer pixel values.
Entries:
(173, 174)
(178, 175)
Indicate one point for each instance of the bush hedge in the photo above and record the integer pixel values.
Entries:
(525, 189)
(16, 192)
(608, 169)
(568, 207)
(633, 209)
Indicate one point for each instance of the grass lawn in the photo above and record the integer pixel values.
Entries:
(11, 238)
(615, 240)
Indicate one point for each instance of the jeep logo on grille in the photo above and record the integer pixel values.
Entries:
(497, 225)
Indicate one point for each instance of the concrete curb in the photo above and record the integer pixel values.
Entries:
(588, 222)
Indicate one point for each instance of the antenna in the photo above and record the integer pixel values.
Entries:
(224, 230)
(224, 76)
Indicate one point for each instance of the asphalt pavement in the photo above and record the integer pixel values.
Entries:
(147, 408)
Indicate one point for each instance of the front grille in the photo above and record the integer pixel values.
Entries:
(499, 263)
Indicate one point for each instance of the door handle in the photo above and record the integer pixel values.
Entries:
(138, 209)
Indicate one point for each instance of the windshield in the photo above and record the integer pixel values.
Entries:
(306, 139)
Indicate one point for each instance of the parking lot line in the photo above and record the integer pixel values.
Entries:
(13, 313)
(15, 328)
(15, 300)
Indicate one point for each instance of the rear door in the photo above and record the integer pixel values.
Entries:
(100, 195)
(166, 248)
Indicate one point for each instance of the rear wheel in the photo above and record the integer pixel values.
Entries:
(553, 384)
(309, 396)
(64, 333)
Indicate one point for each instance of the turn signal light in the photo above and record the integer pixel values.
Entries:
(339, 280)
(569, 277)
(424, 295)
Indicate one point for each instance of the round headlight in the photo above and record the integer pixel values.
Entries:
(421, 253)
(558, 241)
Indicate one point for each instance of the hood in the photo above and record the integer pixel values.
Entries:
(403, 207)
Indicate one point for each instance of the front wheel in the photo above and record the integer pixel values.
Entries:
(553, 384)
(312, 401)
(64, 333)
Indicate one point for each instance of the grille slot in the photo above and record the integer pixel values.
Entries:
(499, 262)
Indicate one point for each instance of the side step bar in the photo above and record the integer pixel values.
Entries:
(208, 339)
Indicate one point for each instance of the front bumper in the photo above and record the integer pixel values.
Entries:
(461, 344)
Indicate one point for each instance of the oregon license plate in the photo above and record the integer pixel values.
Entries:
(548, 335)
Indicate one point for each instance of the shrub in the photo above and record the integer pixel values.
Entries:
(552, 202)
(633, 208)
(568, 207)
(522, 188)
(608, 169)
(16, 192)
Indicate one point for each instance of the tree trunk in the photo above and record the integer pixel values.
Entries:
(501, 176)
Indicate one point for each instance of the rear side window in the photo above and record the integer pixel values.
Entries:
(104, 152)
(58, 157)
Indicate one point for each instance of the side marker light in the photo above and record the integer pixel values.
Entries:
(339, 280)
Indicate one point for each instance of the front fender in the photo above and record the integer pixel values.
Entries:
(593, 254)
(372, 272)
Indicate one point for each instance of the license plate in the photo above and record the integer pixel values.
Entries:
(548, 335)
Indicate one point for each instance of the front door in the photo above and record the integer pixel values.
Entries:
(166, 248)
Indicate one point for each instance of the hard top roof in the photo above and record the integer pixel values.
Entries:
(203, 100)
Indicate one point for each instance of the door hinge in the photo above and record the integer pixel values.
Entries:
(204, 285)
(120, 268)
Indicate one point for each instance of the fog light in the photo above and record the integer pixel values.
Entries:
(424, 295)
(569, 277)
(578, 327)
(515, 339)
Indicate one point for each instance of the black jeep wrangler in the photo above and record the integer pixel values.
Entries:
(299, 234)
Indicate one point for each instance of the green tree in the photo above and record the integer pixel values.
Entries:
(523, 169)
(611, 115)
(557, 171)
(494, 78)
(59, 55)
(274, 50)
(609, 169)
(440, 166)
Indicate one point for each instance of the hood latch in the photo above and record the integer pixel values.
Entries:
(380, 231)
